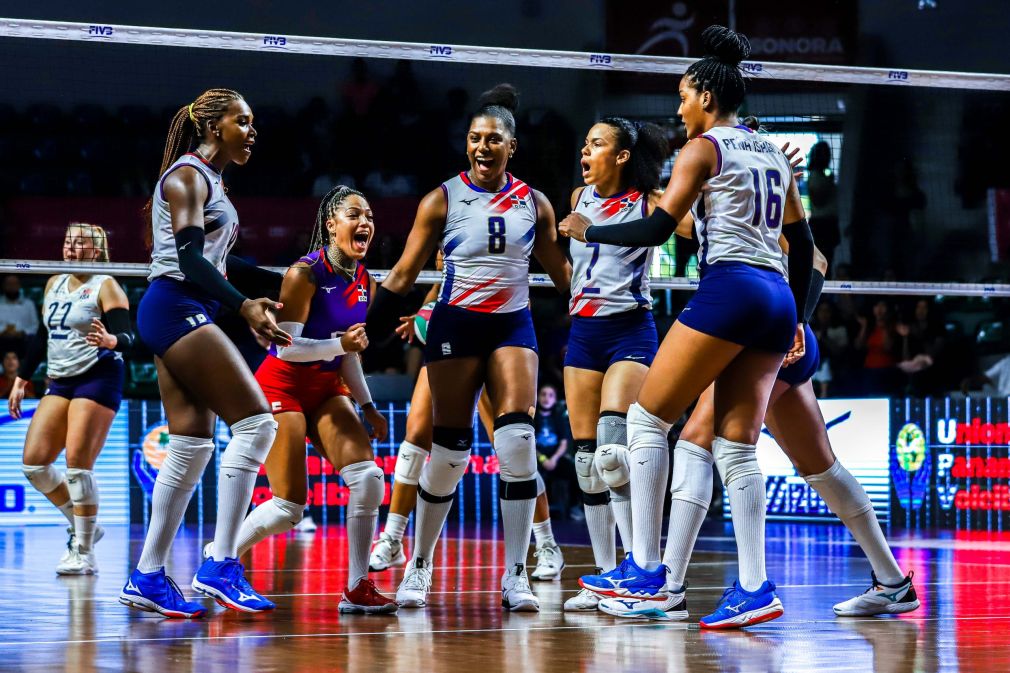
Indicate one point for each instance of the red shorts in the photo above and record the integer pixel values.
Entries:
(298, 387)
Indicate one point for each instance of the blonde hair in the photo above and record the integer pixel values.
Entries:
(97, 235)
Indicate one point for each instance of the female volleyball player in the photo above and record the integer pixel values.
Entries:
(735, 330)
(200, 372)
(487, 223)
(308, 384)
(85, 326)
(613, 338)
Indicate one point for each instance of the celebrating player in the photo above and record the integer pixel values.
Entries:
(85, 327)
(735, 330)
(613, 338)
(486, 223)
(201, 374)
(308, 383)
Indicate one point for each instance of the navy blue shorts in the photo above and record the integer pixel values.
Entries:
(596, 343)
(169, 310)
(803, 370)
(455, 332)
(103, 383)
(747, 305)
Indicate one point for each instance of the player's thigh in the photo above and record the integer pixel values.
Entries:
(419, 418)
(688, 361)
(796, 421)
(742, 392)
(621, 384)
(454, 386)
(341, 435)
(582, 393)
(208, 366)
(186, 415)
(47, 431)
(88, 424)
(512, 379)
(285, 464)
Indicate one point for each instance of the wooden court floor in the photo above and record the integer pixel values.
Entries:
(76, 625)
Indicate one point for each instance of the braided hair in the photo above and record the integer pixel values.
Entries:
(719, 71)
(190, 124)
(327, 209)
(647, 145)
(499, 102)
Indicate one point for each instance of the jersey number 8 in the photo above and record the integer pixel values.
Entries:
(496, 235)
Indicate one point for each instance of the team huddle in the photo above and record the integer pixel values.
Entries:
(740, 352)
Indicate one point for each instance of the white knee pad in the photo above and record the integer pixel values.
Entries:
(735, 460)
(367, 485)
(692, 474)
(45, 478)
(443, 471)
(585, 469)
(250, 443)
(516, 448)
(409, 463)
(645, 429)
(82, 486)
(186, 460)
(611, 449)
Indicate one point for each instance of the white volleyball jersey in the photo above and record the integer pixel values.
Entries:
(486, 245)
(738, 215)
(220, 223)
(609, 279)
(68, 316)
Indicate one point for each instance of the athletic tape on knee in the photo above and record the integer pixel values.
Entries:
(840, 491)
(446, 466)
(409, 462)
(692, 474)
(735, 460)
(45, 478)
(250, 443)
(186, 460)
(366, 482)
(612, 450)
(541, 486)
(516, 448)
(82, 486)
(585, 469)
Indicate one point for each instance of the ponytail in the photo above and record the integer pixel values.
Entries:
(648, 147)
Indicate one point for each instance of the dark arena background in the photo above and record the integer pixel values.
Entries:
(904, 102)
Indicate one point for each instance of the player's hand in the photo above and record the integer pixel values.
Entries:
(99, 336)
(406, 328)
(354, 339)
(550, 464)
(379, 426)
(574, 226)
(795, 160)
(17, 394)
(259, 313)
(799, 348)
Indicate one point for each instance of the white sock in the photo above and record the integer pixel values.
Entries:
(67, 509)
(396, 524)
(620, 504)
(84, 528)
(240, 463)
(517, 520)
(428, 523)
(691, 494)
(271, 518)
(600, 521)
(649, 456)
(849, 501)
(366, 484)
(746, 487)
(543, 534)
(515, 447)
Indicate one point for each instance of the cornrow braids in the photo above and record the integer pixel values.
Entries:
(719, 71)
(327, 208)
(188, 125)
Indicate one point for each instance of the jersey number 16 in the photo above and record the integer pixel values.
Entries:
(772, 186)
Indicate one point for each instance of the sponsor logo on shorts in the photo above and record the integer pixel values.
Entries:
(446, 348)
(275, 406)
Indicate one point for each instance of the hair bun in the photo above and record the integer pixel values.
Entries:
(725, 45)
(502, 95)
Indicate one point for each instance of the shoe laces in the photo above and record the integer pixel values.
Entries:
(520, 581)
(546, 554)
(418, 578)
(368, 587)
(174, 591)
(619, 571)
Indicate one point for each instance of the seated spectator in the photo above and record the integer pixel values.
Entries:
(879, 344)
(19, 317)
(554, 464)
(833, 340)
(11, 364)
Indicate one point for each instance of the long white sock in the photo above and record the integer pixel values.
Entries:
(620, 504)
(691, 494)
(746, 486)
(848, 500)
(649, 455)
(600, 521)
(543, 534)
(180, 471)
(515, 446)
(612, 431)
(84, 528)
(67, 509)
(450, 456)
(366, 484)
(240, 463)
(270, 518)
(396, 524)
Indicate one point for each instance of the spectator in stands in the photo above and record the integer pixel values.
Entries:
(823, 201)
(10, 373)
(879, 343)
(555, 465)
(833, 340)
(19, 317)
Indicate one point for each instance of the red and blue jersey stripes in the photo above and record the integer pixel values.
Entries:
(609, 279)
(486, 244)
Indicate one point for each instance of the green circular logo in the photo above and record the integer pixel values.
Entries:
(911, 447)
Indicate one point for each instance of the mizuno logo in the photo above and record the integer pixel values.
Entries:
(635, 357)
(242, 596)
(329, 289)
(606, 452)
(894, 596)
(581, 459)
(464, 201)
(526, 437)
(642, 462)
(130, 586)
(378, 476)
(454, 465)
(736, 608)
(230, 476)
(462, 443)
(293, 523)
(183, 246)
(743, 488)
(587, 203)
(631, 605)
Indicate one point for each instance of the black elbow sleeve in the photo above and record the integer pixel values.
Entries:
(801, 263)
(653, 230)
(117, 322)
(197, 270)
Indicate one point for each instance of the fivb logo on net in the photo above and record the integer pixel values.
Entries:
(440, 51)
(101, 32)
(275, 42)
(601, 59)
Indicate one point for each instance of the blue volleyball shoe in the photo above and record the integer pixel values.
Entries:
(739, 608)
(157, 592)
(225, 582)
(628, 581)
